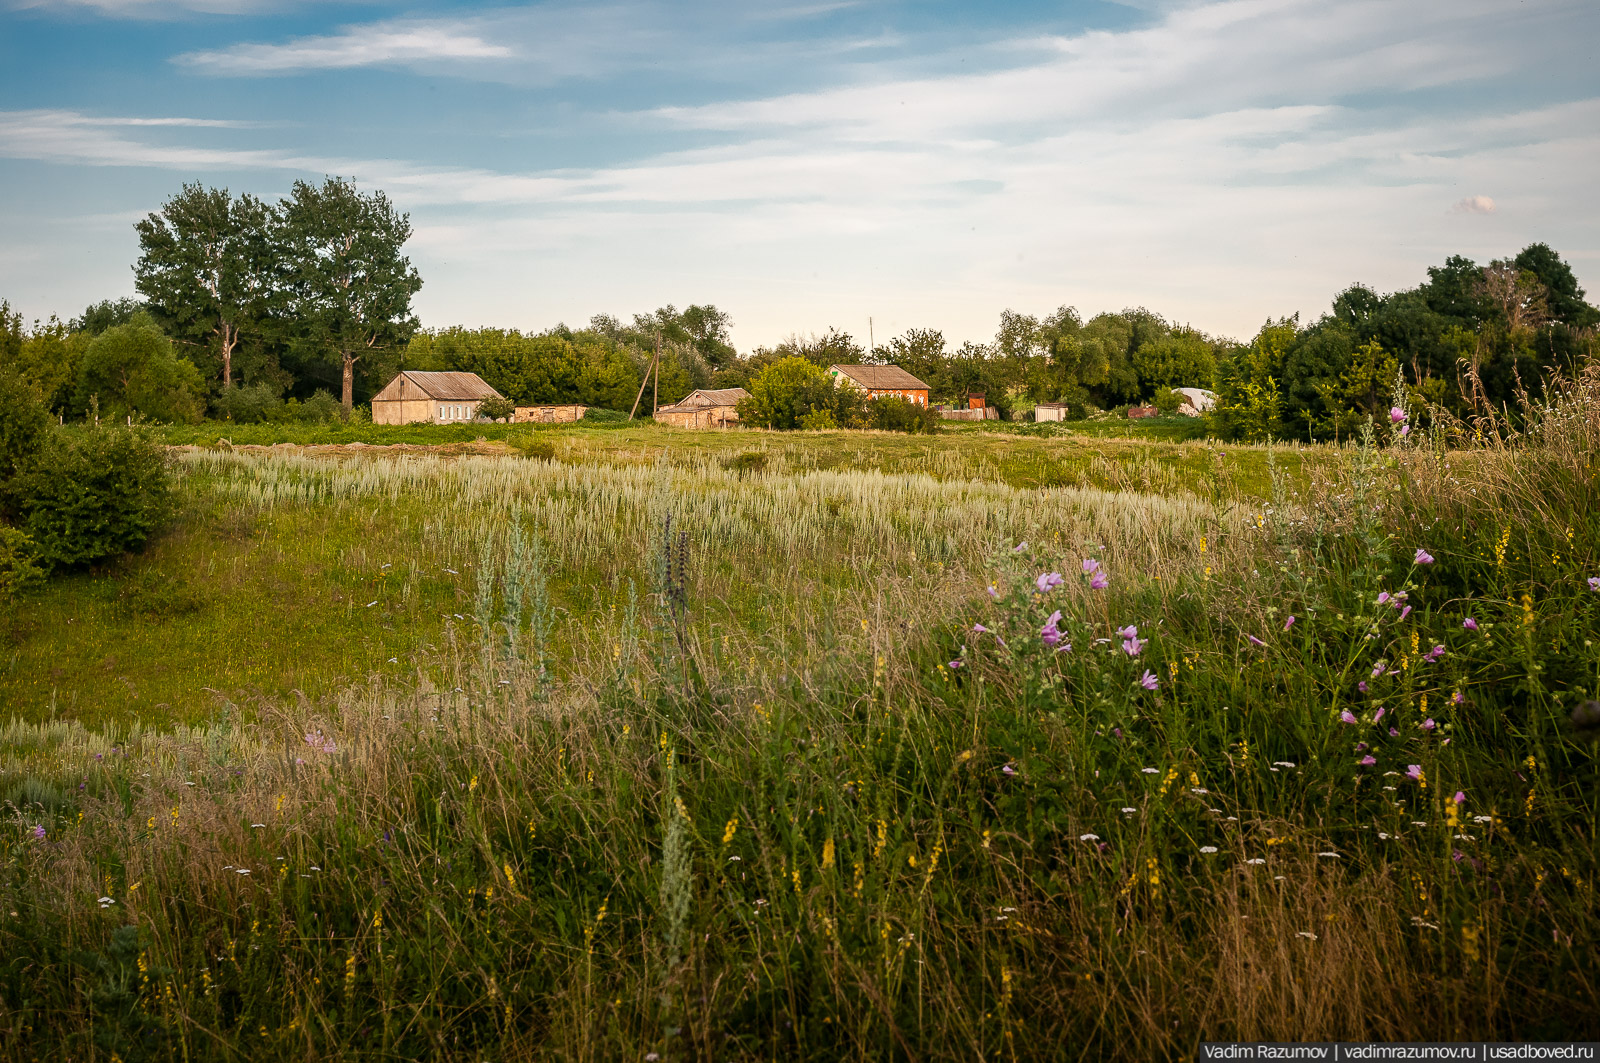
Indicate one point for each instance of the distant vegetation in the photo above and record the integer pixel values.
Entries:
(259, 313)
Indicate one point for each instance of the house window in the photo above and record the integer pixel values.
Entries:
(441, 413)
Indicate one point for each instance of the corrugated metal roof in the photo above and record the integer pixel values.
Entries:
(714, 397)
(882, 377)
(456, 387)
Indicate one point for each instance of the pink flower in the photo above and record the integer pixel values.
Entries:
(1379, 714)
(1428, 724)
(1289, 623)
(1378, 668)
(1367, 761)
(38, 833)
(1423, 557)
(1433, 654)
(1396, 415)
(1009, 770)
(1129, 632)
(1460, 798)
(979, 629)
(1405, 430)
(1383, 598)
(1255, 640)
(1047, 581)
(957, 663)
(1470, 624)
(1023, 545)
(1457, 699)
(1132, 647)
(1594, 584)
(1090, 566)
(1050, 633)
(994, 592)
(1405, 612)
(1149, 680)
(1098, 581)
(1414, 771)
(1362, 686)
(1348, 717)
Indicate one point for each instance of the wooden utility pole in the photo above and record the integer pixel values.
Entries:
(651, 370)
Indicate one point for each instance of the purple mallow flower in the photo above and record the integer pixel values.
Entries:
(38, 833)
(1379, 714)
(1023, 545)
(1362, 686)
(1414, 771)
(1367, 761)
(1047, 581)
(1149, 680)
(1378, 668)
(1594, 584)
(1460, 798)
(1050, 633)
(1433, 654)
(1405, 430)
(1133, 647)
(1347, 716)
(1090, 566)
(1289, 623)
(1255, 641)
(1099, 581)
(1423, 557)
(1405, 612)
(1428, 724)
(1396, 415)
(1469, 624)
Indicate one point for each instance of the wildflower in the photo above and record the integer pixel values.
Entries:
(1405, 612)
(1367, 761)
(1347, 716)
(1396, 415)
(1255, 861)
(1414, 771)
(1405, 430)
(1090, 566)
(1434, 654)
(994, 591)
(1289, 623)
(1469, 624)
(1132, 647)
(1362, 686)
(1047, 581)
(1255, 640)
(1378, 668)
(1208, 848)
(1457, 699)
(1460, 798)
(1088, 837)
(957, 663)
(1428, 724)
(1329, 856)
(1008, 769)
(979, 629)
(1383, 598)
(1149, 681)
(1393, 733)
(1050, 634)
(1129, 811)
(1423, 557)
(38, 833)
(1379, 714)
(1098, 581)
(1594, 584)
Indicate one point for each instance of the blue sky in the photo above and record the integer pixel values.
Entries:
(812, 164)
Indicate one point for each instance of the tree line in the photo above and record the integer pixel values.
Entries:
(257, 311)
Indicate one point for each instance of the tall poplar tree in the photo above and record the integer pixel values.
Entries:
(347, 287)
(205, 269)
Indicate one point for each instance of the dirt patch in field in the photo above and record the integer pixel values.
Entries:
(350, 450)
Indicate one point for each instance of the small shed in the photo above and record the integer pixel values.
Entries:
(881, 380)
(431, 398)
(705, 408)
(1050, 411)
(548, 414)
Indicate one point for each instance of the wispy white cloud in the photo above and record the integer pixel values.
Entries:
(1473, 205)
(381, 45)
(156, 9)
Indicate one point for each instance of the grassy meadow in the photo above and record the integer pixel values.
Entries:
(626, 742)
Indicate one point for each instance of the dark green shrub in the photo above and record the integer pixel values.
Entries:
(899, 415)
(534, 447)
(595, 413)
(321, 408)
(249, 405)
(496, 409)
(751, 461)
(23, 431)
(19, 567)
(95, 493)
(1167, 401)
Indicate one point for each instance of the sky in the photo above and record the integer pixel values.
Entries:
(871, 166)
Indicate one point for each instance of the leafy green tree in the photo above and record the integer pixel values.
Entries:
(793, 389)
(348, 287)
(11, 334)
(206, 269)
(1564, 300)
(132, 369)
(1181, 359)
(1249, 404)
(107, 313)
(23, 432)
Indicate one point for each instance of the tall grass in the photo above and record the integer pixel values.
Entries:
(865, 829)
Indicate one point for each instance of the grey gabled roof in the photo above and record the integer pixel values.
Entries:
(881, 377)
(451, 387)
(714, 397)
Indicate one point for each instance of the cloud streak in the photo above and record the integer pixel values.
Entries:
(388, 45)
